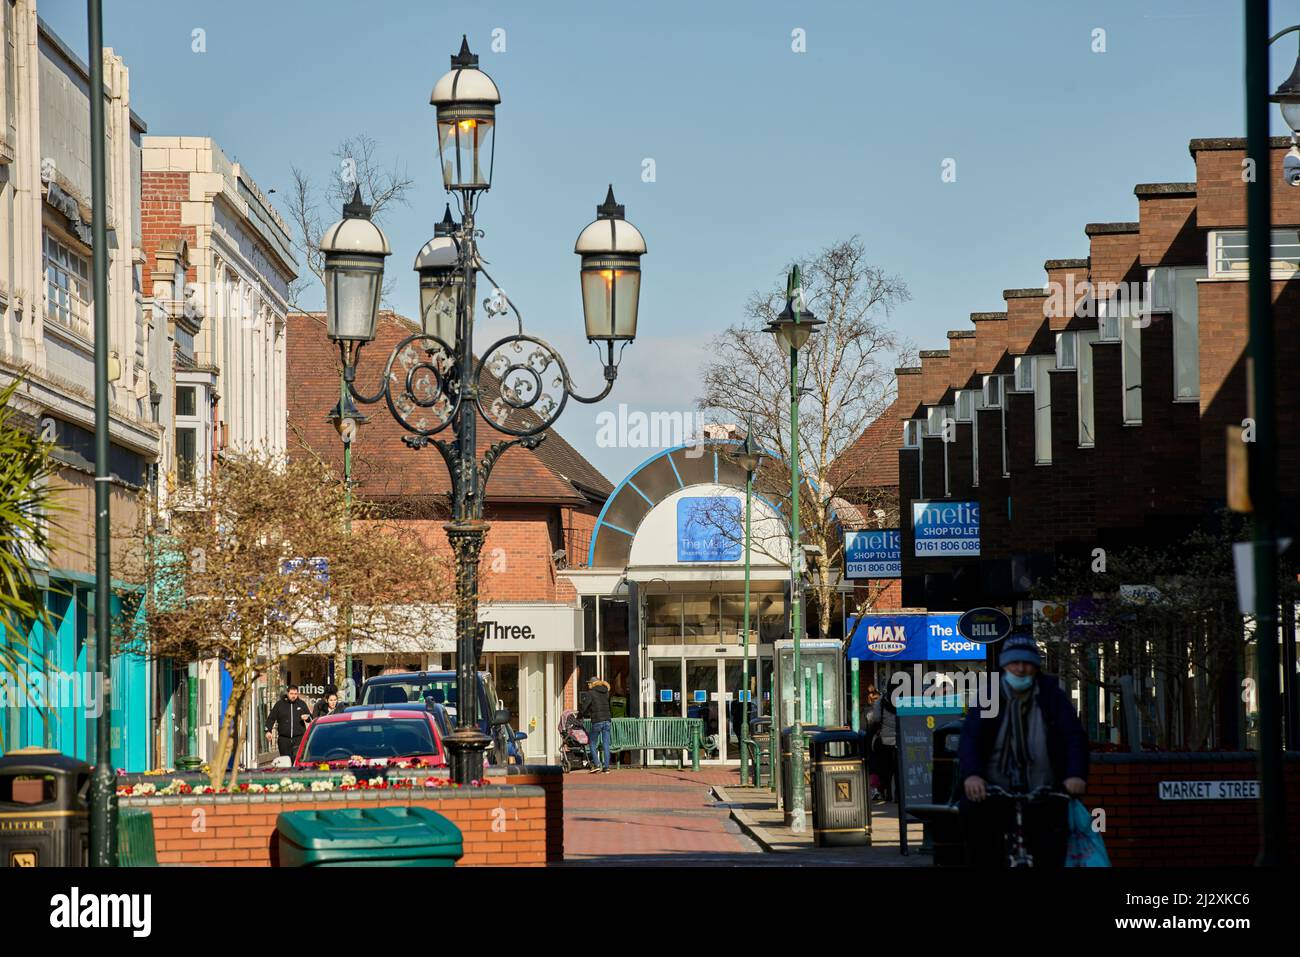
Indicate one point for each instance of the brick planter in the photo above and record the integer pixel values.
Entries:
(517, 820)
(1144, 831)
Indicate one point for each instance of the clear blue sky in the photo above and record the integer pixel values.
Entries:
(762, 155)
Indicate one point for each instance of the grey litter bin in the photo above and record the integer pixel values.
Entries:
(841, 809)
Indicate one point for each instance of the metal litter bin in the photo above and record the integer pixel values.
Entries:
(44, 820)
(841, 807)
(368, 837)
(760, 732)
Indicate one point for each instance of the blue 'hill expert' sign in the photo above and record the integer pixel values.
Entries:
(984, 625)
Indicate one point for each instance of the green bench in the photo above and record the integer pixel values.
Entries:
(135, 846)
(657, 734)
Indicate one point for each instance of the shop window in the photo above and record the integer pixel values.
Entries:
(613, 625)
(663, 620)
(589, 623)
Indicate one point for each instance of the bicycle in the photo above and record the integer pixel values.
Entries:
(1017, 852)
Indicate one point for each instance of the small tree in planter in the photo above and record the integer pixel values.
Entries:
(256, 563)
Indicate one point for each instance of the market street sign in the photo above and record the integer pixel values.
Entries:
(1209, 790)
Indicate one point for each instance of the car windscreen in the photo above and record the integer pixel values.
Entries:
(369, 738)
(413, 690)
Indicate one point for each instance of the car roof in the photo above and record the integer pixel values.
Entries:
(369, 710)
(407, 675)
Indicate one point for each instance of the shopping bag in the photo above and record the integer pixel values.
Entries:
(1086, 848)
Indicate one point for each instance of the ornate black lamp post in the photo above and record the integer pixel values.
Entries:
(433, 380)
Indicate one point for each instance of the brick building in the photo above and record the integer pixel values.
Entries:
(542, 505)
(1091, 413)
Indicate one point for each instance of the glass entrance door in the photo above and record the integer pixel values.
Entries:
(702, 702)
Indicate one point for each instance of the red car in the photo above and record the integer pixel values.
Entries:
(373, 736)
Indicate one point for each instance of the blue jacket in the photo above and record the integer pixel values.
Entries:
(1067, 744)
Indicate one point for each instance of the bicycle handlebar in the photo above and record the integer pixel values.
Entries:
(1037, 794)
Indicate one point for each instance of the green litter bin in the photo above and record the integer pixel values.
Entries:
(368, 837)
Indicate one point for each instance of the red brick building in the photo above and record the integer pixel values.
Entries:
(541, 503)
(1091, 413)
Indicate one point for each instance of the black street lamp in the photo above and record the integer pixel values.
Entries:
(433, 379)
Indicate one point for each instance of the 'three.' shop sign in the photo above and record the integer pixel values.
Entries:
(945, 528)
(534, 627)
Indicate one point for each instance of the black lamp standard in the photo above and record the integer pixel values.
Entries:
(433, 379)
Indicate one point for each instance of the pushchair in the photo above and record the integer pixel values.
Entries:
(574, 752)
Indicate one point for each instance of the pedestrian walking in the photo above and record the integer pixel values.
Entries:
(289, 717)
(328, 703)
(593, 705)
(884, 750)
(1032, 740)
(873, 774)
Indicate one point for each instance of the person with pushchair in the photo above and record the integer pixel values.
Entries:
(1030, 740)
(593, 704)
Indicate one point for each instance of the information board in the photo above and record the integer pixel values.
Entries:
(917, 723)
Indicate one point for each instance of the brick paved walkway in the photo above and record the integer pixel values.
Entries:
(649, 816)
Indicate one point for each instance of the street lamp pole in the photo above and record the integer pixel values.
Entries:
(346, 419)
(792, 328)
(1263, 408)
(103, 789)
(748, 460)
(433, 379)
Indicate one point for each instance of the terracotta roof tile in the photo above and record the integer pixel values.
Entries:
(871, 461)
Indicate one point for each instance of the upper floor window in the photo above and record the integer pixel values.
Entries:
(1024, 374)
(1130, 334)
(1230, 255)
(1174, 290)
(911, 433)
(1065, 350)
(965, 404)
(992, 392)
(1087, 399)
(67, 287)
(936, 417)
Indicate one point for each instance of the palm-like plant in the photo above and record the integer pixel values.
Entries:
(25, 505)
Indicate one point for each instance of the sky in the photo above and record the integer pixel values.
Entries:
(761, 154)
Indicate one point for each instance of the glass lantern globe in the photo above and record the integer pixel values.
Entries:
(611, 249)
(354, 249)
(466, 100)
(442, 281)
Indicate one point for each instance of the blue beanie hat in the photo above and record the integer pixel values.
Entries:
(1020, 648)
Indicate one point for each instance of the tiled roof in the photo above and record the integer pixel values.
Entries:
(871, 461)
(383, 466)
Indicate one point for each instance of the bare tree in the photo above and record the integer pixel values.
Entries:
(259, 563)
(358, 165)
(846, 377)
(1159, 623)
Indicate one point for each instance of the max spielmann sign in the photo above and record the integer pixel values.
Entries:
(1209, 790)
(945, 528)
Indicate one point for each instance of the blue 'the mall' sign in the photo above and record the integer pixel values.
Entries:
(708, 528)
(945, 528)
(875, 553)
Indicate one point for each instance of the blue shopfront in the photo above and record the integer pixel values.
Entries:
(50, 684)
(888, 643)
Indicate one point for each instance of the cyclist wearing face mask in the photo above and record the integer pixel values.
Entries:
(1034, 740)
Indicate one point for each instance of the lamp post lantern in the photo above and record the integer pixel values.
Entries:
(792, 329)
(747, 459)
(433, 379)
